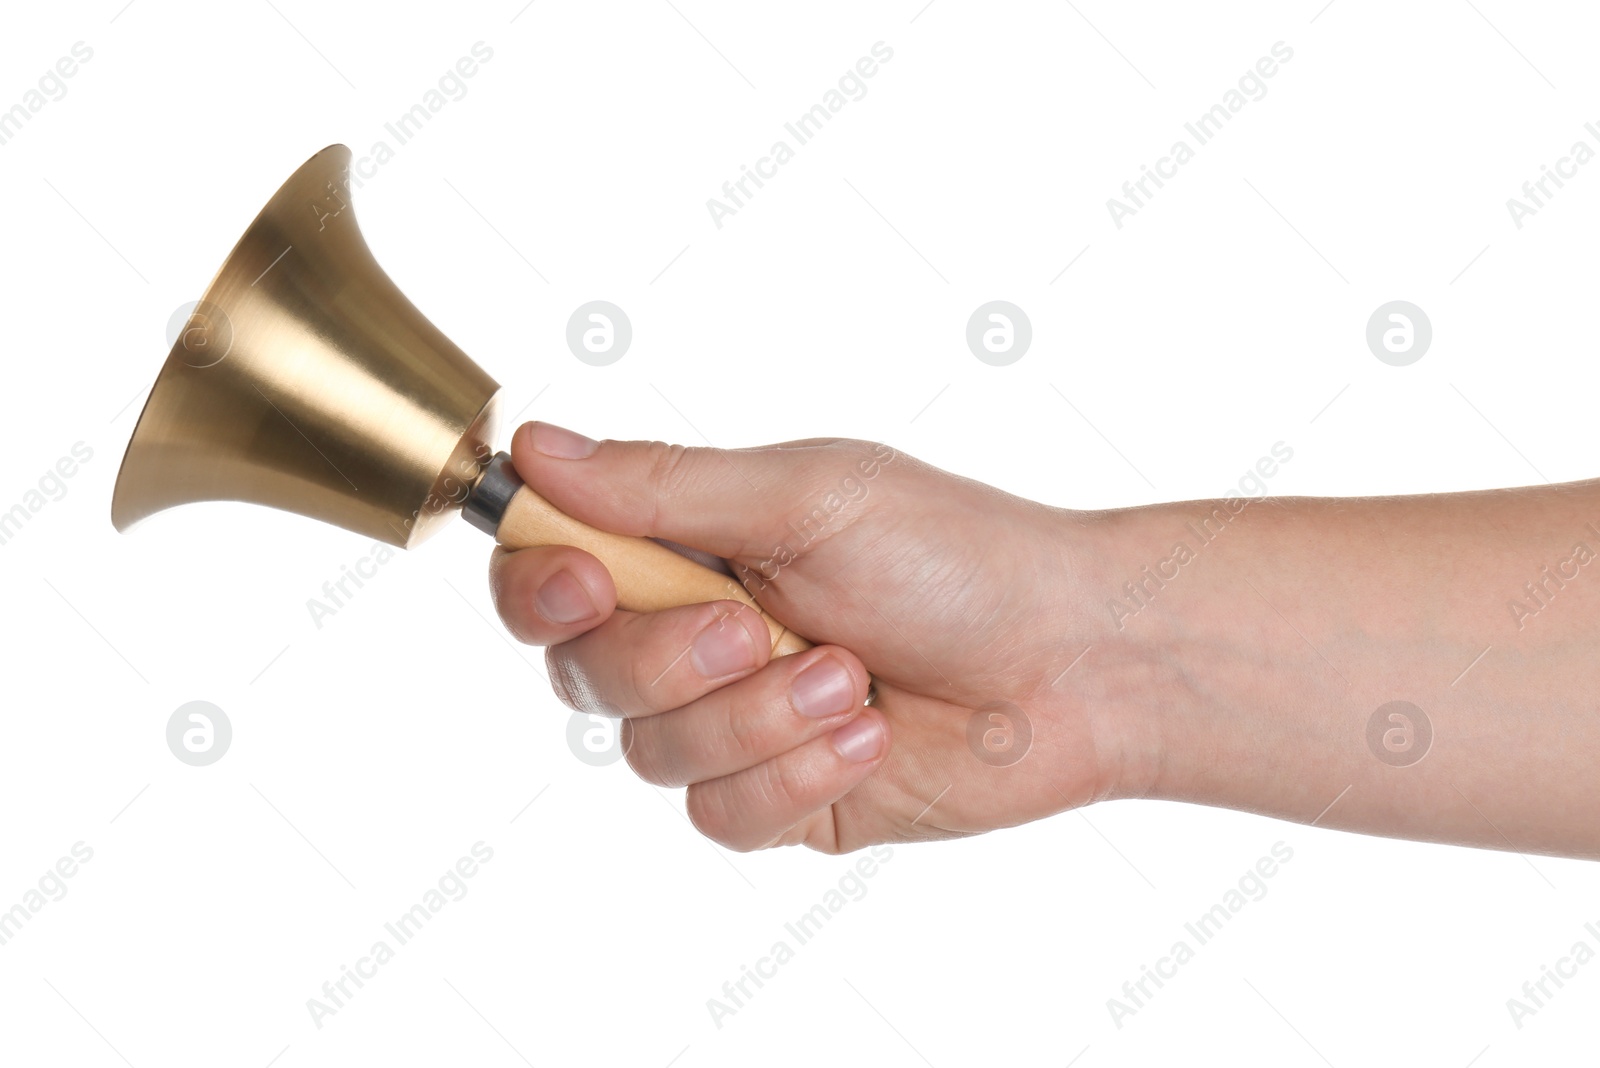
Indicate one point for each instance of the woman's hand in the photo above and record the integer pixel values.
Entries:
(956, 598)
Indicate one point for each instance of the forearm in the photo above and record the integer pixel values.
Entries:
(1268, 646)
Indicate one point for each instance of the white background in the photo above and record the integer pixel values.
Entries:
(372, 752)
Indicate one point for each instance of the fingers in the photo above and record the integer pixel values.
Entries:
(727, 501)
(762, 754)
(764, 747)
(640, 665)
(755, 807)
(548, 595)
(748, 722)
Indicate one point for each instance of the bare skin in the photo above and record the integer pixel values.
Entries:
(1243, 673)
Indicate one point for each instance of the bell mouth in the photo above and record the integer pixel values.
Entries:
(306, 381)
(134, 499)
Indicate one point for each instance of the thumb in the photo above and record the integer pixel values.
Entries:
(732, 502)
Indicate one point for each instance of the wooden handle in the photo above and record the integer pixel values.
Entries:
(648, 576)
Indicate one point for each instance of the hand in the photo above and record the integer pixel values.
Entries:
(957, 598)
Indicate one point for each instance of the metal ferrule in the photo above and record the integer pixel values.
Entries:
(487, 503)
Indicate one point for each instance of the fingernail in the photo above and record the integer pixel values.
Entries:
(722, 648)
(860, 740)
(823, 689)
(562, 599)
(560, 442)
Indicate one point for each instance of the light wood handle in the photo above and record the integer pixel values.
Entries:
(648, 576)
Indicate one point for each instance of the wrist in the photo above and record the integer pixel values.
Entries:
(1105, 678)
(1163, 685)
(1225, 633)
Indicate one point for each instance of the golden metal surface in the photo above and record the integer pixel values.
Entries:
(305, 380)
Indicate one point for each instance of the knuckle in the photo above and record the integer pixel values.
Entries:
(648, 759)
(573, 685)
(644, 674)
(669, 468)
(708, 810)
(563, 678)
(829, 848)
(782, 787)
(604, 673)
(507, 590)
(872, 461)
(862, 451)
(658, 677)
(746, 737)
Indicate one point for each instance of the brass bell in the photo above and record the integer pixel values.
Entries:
(305, 380)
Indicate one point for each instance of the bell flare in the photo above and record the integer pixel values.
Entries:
(304, 380)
